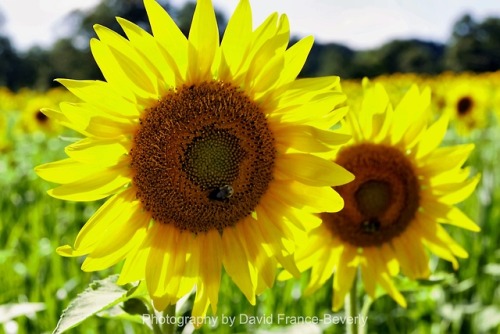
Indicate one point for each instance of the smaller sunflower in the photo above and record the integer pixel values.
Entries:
(466, 103)
(8, 101)
(405, 189)
(3, 130)
(33, 119)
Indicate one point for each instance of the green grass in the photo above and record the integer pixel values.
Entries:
(33, 225)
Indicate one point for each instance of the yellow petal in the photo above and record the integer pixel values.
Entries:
(308, 87)
(95, 186)
(161, 257)
(60, 118)
(455, 193)
(307, 138)
(103, 152)
(312, 170)
(375, 102)
(200, 306)
(411, 254)
(369, 271)
(295, 58)
(445, 159)
(92, 232)
(131, 63)
(236, 40)
(103, 96)
(66, 171)
(134, 268)
(93, 123)
(320, 273)
(418, 125)
(344, 276)
(203, 42)
(313, 199)
(301, 111)
(450, 215)
(267, 77)
(236, 263)
(405, 114)
(123, 234)
(389, 258)
(438, 240)
(210, 271)
(385, 281)
(111, 70)
(146, 45)
(179, 284)
(433, 136)
(168, 34)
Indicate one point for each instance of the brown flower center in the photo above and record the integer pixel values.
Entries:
(464, 105)
(203, 156)
(41, 117)
(383, 199)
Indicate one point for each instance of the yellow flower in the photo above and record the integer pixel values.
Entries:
(466, 102)
(213, 154)
(405, 189)
(33, 119)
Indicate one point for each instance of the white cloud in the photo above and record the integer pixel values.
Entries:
(31, 22)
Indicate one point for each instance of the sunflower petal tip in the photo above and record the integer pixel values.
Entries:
(65, 250)
(403, 303)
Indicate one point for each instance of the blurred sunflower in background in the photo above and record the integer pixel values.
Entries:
(466, 101)
(8, 106)
(212, 154)
(406, 187)
(33, 119)
(3, 130)
(7, 100)
(492, 81)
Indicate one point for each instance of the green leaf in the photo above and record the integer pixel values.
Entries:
(99, 296)
(11, 311)
(135, 306)
(437, 279)
(118, 313)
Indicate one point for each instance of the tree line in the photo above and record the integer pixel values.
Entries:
(472, 46)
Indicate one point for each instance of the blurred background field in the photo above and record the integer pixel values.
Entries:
(36, 284)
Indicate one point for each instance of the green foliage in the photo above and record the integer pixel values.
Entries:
(329, 59)
(15, 72)
(99, 296)
(474, 46)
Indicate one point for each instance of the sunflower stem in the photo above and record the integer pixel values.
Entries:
(364, 314)
(155, 325)
(168, 327)
(351, 308)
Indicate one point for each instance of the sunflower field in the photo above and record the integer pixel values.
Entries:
(37, 284)
(202, 187)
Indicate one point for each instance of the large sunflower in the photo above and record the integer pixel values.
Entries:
(405, 189)
(213, 154)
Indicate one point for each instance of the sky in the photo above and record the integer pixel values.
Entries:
(359, 24)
